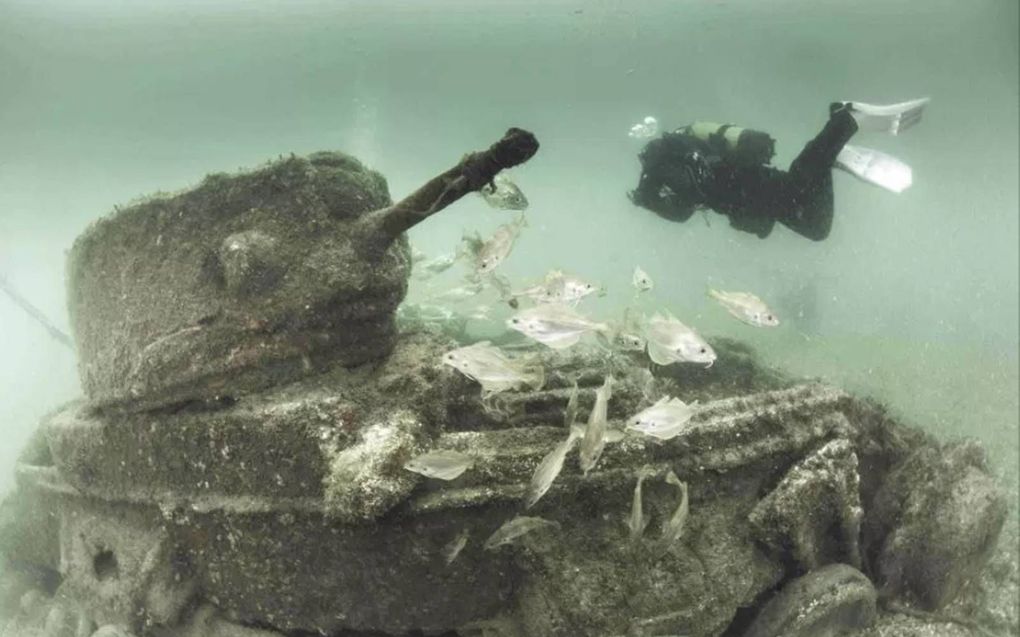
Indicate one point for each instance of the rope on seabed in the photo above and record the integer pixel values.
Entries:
(35, 313)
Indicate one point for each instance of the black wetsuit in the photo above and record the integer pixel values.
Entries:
(681, 173)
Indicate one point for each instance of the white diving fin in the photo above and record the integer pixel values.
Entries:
(888, 118)
(875, 167)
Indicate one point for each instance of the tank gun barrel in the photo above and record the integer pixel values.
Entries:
(470, 174)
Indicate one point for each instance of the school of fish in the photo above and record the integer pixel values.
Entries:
(551, 318)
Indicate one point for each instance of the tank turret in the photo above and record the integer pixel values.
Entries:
(254, 279)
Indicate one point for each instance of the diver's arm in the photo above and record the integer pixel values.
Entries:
(673, 209)
(653, 195)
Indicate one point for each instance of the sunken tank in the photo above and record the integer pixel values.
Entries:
(235, 468)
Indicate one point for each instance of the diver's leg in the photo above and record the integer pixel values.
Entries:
(809, 181)
(811, 212)
(819, 155)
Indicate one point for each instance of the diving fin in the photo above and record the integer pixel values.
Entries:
(888, 118)
(875, 167)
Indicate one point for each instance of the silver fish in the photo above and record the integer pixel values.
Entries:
(425, 313)
(503, 194)
(489, 254)
(515, 528)
(460, 293)
(746, 308)
(558, 287)
(575, 289)
(480, 313)
(663, 420)
(674, 528)
(641, 281)
(484, 363)
(555, 325)
(443, 464)
(615, 435)
(670, 341)
(549, 469)
(435, 266)
(594, 440)
(570, 413)
(627, 336)
(456, 545)
(499, 283)
(647, 384)
(638, 520)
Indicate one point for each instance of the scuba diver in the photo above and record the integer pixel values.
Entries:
(727, 168)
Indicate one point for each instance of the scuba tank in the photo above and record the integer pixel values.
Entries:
(740, 145)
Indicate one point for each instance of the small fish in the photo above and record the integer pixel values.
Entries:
(555, 325)
(423, 313)
(570, 413)
(647, 384)
(566, 288)
(549, 469)
(460, 293)
(674, 528)
(575, 289)
(515, 528)
(615, 435)
(502, 193)
(434, 266)
(538, 293)
(489, 254)
(558, 287)
(480, 313)
(442, 465)
(417, 256)
(433, 313)
(594, 440)
(670, 341)
(499, 283)
(628, 334)
(456, 545)
(638, 519)
(663, 420)
(746, 308)
(641, 281)
(484, 363)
